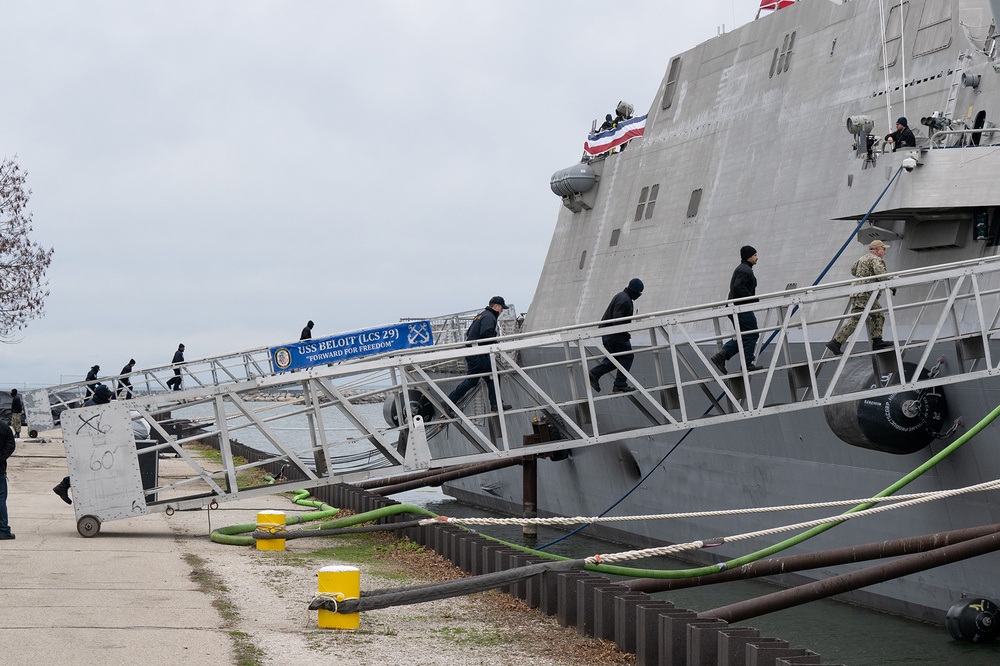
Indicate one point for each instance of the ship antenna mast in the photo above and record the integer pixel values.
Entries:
(885, 64)
(902, 57)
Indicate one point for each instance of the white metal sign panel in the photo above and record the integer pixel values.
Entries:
(103, 463)
(38, 410)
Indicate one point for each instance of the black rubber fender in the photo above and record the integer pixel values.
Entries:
(973, 620)
(417, 404)
(883, 423)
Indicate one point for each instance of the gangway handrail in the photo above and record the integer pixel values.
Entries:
(157, 375)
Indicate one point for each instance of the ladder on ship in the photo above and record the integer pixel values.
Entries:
(944, 312)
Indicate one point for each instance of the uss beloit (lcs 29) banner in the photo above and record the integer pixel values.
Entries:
(319, 351)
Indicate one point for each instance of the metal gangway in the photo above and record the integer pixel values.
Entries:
(942, 319)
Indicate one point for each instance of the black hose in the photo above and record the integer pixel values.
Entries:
(418, 594)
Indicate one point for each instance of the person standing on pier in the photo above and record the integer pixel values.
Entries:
(7, 446)
(307, 332)
(743, 285)
(175, 381)
(619, 307)
(16, 412)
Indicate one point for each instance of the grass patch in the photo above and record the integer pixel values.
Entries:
(248, 478)
(471, 638)
(380, 554)
(244, 649)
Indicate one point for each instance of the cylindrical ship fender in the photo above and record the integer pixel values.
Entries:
(417, 404)
(974, 620)
(576, 179)
(900, 423)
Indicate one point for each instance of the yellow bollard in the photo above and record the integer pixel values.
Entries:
(274, 522)
(340, 582)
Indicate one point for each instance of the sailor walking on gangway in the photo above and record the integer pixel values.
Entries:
(870, 265)
(742, 285)
(620, 306)
(483, 327)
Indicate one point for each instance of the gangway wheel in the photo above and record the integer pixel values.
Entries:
(88, 526)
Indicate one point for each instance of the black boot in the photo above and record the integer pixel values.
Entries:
(879, 343)
(834, 346)
(719, 361)
(63, 491)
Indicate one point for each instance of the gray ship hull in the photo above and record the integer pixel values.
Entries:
(745, 143)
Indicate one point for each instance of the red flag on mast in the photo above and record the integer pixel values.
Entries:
(772, 5)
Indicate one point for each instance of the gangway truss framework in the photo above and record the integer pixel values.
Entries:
(943, 319)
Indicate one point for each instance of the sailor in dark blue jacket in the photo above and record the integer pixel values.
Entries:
(743, 285)
(620, 306)
(483, 327)
(902, 137)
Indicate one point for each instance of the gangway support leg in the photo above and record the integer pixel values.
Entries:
(417, 454)
(529, 495)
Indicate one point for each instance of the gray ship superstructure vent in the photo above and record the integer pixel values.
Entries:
(694, 203)
(673, 73)
(940, 234)
(783, 55)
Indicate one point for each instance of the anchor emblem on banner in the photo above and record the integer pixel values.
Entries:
(419, 334)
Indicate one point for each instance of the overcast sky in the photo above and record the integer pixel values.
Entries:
(217, 173)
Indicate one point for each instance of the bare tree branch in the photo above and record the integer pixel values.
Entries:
(23, 262)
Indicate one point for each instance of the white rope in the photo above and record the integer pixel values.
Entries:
(840, 518)
(578, 520)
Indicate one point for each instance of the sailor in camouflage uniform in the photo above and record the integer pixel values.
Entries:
(870, 265)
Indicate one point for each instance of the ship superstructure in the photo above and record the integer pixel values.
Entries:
(772, 136)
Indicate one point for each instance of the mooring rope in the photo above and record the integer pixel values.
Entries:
(718, 541)
(562, 521)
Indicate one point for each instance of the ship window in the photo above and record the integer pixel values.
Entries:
(774, 61)
(892, 33)
(694, 203)
(668, 90)
(647, 199)
(652, 200)
(934, 32)
(614, 237)
(642, 204)
(583, 259)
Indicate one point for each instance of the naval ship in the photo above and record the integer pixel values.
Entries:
(772, 135)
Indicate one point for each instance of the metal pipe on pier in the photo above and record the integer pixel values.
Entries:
(827, 558)
(835, 585)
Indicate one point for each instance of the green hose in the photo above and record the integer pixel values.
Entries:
(788, 543)
(228, 536)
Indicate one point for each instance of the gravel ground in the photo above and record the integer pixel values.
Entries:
(264, 598)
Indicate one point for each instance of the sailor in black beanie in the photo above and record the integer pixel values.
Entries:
(743, 285)
(903, 136)
(617, 343)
